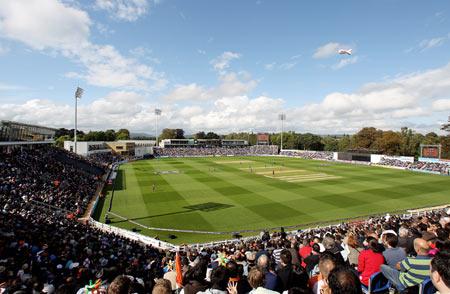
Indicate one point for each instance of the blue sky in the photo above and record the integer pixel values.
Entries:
(226, 65)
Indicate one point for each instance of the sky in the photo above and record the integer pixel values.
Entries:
(226, 66)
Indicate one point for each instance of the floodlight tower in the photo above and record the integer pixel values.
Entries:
(78, 93)
(282, 118)
(157, 113)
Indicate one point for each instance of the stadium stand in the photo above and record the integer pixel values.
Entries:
(322, 155)
(437, 167)
(44, 249)
(216, 151)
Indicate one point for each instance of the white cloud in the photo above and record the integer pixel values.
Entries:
(104, 29)
(282, 66)
(190, 92)
(287, 65)
(145, 53)
(125, 10)
(432, 43)
(386, 105)
(238, 113)
(328, 50)
(413, 100)
(222, 62)
(441, 105)
(229, 84)
(344, 62)
(38, 111)
(65, 30)
(44, 24)
(270, 66)
(202, 52)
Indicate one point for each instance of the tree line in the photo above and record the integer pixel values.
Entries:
(64, 134)
(405, 142)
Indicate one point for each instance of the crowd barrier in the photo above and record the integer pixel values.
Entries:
(132, 235)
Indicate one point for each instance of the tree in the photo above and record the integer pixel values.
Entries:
(179, 134)
(60, 140)
(330, 143)
(110, 135)
(63, 132)
(389, 143)
(345, 143)
(200, 135)
(123, 134)
(212, 135)
(445, 146)
(366, 138)
(172, 134)
(312, 142)
(431, 139)
(410, 142)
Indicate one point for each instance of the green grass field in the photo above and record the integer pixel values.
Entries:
(226, 194)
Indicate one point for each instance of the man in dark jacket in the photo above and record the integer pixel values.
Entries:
(288, 276)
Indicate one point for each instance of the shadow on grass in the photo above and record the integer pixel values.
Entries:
(204, 207)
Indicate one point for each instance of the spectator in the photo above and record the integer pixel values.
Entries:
(288, 276)
(334, 249)
(412, 270)
(369, 260)
(320, 282)
(392, 254)
(270, 278)
(342, 280)
(440, 272)
(162, 286)
(235, 272)
(405, 240)
(313, 259)
(219, 281)
(120, 285)
(431, 239)
(353, 249)
(256, 280)
(194, 279)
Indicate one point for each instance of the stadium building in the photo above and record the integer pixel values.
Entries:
(173, 143)
(137, 148)
(11, 131)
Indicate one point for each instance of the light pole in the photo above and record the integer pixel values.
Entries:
(157, 113)
(282, 117)
(78, 93)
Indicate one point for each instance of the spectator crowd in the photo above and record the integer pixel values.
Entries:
(216, 151)
(44, 250)
(322, 155)
(437, 167)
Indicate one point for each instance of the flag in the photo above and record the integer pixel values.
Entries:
(179, 270)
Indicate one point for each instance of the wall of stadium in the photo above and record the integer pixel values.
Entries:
(376, 158)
